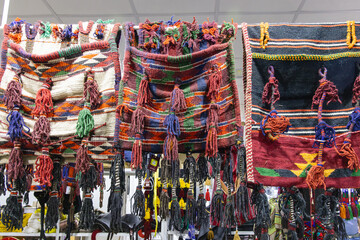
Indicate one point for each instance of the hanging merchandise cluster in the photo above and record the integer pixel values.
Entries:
(173, 117)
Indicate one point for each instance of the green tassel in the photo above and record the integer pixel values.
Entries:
(350, 212)
(85, 123)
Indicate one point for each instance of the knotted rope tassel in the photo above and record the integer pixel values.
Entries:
(85, 122)
(91, 90)
(211, 148)
(217, 204)
(12, 215)
(271, 92)
(87, 214)
(214, 84)
(273, 125)
(177, 97)
(15, 169)
(52, 213)
(43, 100)
(16, 125)
(82, 158)
(144, 91)
(138, 207)
(43, 168)
(12, 95)
(41, 132)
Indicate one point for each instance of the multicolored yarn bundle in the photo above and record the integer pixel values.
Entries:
(324, 134)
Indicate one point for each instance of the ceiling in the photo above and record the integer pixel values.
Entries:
(250, 11)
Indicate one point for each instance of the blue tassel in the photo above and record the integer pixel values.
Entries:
(16, 125)
(172, 124)
(354, 118)
(329, 135)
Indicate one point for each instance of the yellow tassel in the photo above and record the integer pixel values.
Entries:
(264, 34)
(236, 236)
(210, 235)
(342, 211)
(351, 36)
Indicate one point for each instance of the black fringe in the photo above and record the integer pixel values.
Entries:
(202, 215)
(242, 202)
(339, 227)
(87, 214)
(52, 214)
(202, 172)
(228, 220)
(175, 216)
(138, 207)
(56, 172)
(190, 214)
(164, 204)
(2, 180)
(217, 206)
(88, 180)
(186, 170)
(262, 219)
(115, 211)
(12, 215)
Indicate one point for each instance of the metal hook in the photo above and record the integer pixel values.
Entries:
(271, 71)
(323, 74)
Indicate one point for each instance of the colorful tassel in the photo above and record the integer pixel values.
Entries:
(171, 148)
(354, 120)
(12, 95)
(43, 101)
(211, 148)
(214, 82)
(272, 125)
(177, 97)
(91, 91)
(43, 168)
(210, 235)
(136, 153)
(315, 177)
(346, 151)
(271, 92)
(12, 214)
(326, 87)
(144, 91)
(85, 122)
(16, 125)
(325, 134)
(87, 214)
(82, 158)
(15, 167)
(41, 131)
(52, 213)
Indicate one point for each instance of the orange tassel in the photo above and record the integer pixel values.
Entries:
(144, 91)
(346, 151)
(44, 167)
(43, 101)
(315, 177)
(342, 211)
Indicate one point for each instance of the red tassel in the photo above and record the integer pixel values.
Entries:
(315, 177)
(211, 125)
(171, 151)
(136, 154)
(177, 99)
(82, 158)
(15, 166)
(356, 90)
(207, 195)
(147, 229)
(41, 132)
(12, 95)
(43, 168)
(137, 121)
(43, 101)
(214, 83)
(91, 90)
(346, 151)
(144, 91)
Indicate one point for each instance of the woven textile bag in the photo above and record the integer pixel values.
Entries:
(299, 62)
(63, 54)
(177, 58)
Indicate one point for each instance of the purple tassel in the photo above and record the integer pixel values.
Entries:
(41, 132)
(172, 125)
(177, 99)
(16, 125)
(354, 118)
(329, 135)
